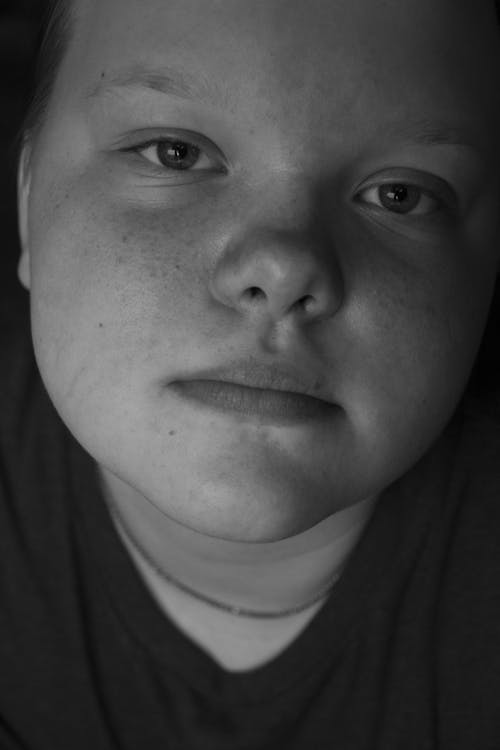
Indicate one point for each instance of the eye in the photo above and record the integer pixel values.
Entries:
(173, 154)
(400, 198)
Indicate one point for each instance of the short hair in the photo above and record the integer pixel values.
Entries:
(53, 40)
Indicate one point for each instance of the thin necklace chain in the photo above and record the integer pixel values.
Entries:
(233, 610)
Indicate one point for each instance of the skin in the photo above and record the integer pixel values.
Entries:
(138, 275)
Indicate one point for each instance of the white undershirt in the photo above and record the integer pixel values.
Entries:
(241, 643)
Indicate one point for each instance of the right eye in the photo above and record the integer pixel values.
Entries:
(173, 154)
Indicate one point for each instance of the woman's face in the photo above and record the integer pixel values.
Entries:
(335, 216)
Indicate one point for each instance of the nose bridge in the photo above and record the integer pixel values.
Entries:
(286, 202)
(281, 260)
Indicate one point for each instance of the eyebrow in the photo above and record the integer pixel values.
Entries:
(166, 80)
(427, 132)
(182, 84)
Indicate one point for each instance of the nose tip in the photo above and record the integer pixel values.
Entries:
(295, 290)
(279, 280)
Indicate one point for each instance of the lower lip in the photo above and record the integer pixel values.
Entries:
(271, 405)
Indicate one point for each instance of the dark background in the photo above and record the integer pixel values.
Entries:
(20, 22)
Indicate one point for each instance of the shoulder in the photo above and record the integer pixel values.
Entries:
(468, 584)
(479, 456)
(470, 529)
(474, 494)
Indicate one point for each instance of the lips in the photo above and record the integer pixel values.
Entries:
(274, 392)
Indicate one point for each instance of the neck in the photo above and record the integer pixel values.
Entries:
(259, 576)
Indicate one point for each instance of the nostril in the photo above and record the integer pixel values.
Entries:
(254, 292)
(305, 303)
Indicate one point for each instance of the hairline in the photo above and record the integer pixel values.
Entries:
(54, 38)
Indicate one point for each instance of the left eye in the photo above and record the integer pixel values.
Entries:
(174, 154)
(400, 198)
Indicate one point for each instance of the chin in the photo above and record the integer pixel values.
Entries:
(233, 530)
(255, 511)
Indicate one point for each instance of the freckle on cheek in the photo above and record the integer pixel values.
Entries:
(172, 433)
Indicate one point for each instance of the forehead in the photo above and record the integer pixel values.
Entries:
(308, 62)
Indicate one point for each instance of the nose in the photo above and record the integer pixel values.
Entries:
(279, 273)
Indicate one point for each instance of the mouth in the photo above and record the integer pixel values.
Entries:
(281, 406)
(278, 392)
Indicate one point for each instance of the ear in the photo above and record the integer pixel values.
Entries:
(23, 195)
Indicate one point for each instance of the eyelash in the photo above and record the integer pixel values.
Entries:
(154, 144)
(433, 202)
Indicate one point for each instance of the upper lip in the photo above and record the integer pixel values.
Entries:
(277, 376)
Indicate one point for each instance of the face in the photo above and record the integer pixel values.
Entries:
(301, 184)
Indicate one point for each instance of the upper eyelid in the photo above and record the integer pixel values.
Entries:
(145, 145)
(441, 205)
(141, 140)
(425, 181)
(219, 164)
(164, 139)
(433, 186)
(428, 193)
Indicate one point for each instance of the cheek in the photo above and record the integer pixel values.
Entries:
(412, 320)
(93, 258)
(426, 296)
(414, 330)
(112, 285)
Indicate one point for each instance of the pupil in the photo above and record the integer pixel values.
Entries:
(399, 197)
(178, 155)
(178, 151)
(398, 193)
